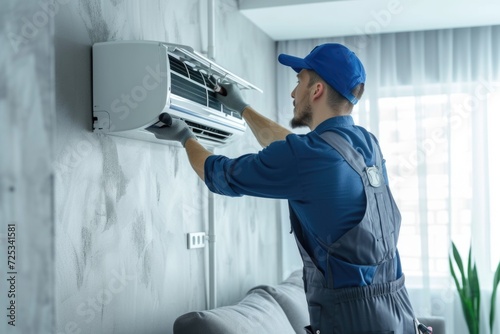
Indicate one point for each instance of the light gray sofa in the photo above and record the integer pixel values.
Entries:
(265, 309)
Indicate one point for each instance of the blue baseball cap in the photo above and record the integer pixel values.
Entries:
(334, 63)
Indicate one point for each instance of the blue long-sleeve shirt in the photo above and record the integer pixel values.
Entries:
(324, 191)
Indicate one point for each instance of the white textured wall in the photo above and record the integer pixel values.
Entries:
(123, 207)
(26, 176)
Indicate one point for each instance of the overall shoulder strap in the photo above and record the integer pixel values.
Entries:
(355, 159)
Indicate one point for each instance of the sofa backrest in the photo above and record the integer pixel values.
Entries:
(257, 313)
(291, 297)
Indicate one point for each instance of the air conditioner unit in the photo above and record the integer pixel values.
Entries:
(134, 82)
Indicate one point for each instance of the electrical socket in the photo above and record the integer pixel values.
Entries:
(196, 240)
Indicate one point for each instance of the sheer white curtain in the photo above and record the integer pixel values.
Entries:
(433, 100)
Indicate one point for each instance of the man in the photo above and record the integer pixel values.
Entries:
(342, 213)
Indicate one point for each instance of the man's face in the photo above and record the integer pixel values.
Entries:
(302, 113)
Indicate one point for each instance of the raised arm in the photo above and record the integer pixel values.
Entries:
(179, 131)
(265, 130)
(197, 154)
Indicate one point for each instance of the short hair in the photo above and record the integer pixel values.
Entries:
(334, 99)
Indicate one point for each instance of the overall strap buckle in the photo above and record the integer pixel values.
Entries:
(374, 176)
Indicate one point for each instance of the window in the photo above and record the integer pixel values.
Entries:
(493, 120)
(433, 148)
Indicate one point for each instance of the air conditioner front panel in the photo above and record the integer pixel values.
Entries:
(130, 84)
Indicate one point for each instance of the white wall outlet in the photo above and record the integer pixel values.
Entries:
(196, 240)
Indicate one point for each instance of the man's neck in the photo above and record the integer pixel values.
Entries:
(323, 115)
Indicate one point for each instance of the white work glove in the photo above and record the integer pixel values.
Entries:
(230, 96)
(178, 131)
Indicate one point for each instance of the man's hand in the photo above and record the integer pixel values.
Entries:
(232, 97)
(178, 131)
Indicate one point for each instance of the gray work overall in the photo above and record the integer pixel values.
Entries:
(382, 306)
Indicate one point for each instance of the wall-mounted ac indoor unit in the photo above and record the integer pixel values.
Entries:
(134, 82)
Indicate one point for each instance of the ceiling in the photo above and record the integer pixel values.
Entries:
(299, 19)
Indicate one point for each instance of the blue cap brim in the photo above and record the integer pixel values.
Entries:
(296, 63)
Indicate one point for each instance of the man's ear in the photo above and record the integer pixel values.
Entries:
(317, 90)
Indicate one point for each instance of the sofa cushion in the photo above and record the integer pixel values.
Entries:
(291, 297)
(257, 313)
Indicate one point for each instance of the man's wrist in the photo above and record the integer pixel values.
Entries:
(244, 108)
(248, 107)
(188, 139)
(186, 136)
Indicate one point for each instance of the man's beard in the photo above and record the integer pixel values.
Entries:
(302, 118)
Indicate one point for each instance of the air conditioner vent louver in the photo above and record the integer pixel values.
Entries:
(184, 84)
(208, 132)
(177, 66)
(198, 77)
(185, 88)
(214, 103)
(134, 82)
